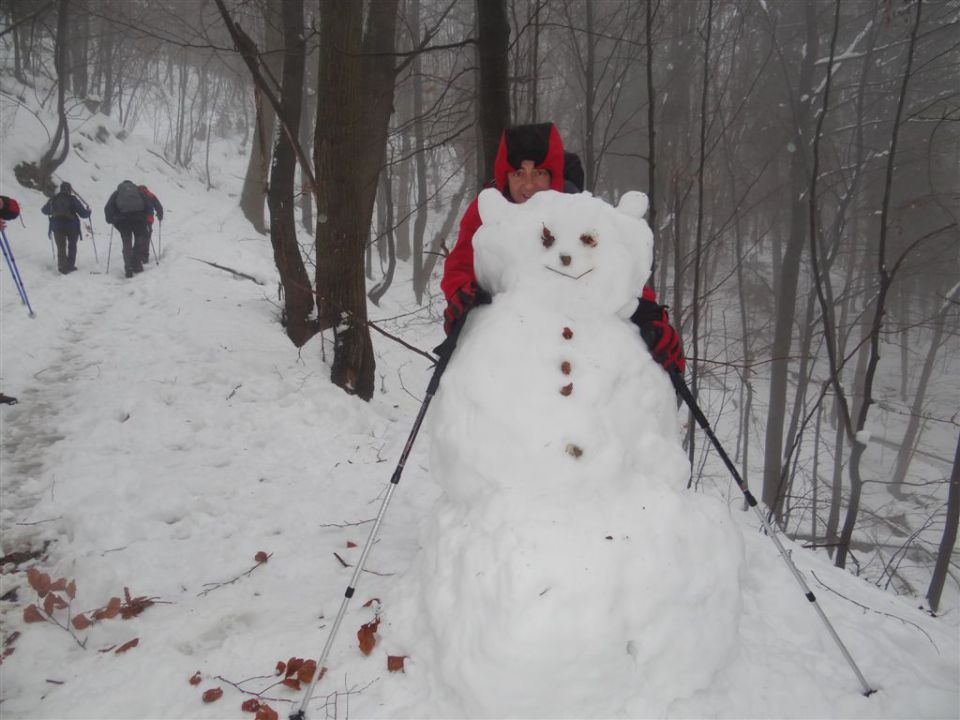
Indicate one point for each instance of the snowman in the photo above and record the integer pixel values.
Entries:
(564, 554)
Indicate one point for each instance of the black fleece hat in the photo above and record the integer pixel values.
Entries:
(527, 142)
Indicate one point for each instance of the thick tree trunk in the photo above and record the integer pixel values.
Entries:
(493, 96)
(355, 94)
(297, 293)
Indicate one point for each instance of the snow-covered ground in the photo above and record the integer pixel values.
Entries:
(168, 432)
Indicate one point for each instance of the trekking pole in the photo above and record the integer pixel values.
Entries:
(109, 248)
(93, 239)
(444, 358)
(15, 271)
(159, 239)
(684, 391)
(156, 255)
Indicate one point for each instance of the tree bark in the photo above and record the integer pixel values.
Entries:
(884, 278)
(493, 96)
(297, 293)
(949, 539)
(789, 275)
(253, 193)
(39, 175)
(355, 96)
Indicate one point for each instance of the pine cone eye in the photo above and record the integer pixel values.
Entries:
(547, 237)
(588, 240)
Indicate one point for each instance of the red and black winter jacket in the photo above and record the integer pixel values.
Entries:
(540, 143)
(153, 206)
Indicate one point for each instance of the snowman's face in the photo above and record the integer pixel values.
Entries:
(570, 250)
(567, 261)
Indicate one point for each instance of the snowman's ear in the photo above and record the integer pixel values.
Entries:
(492, 205)
(634, 204)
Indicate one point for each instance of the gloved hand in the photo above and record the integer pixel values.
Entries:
(160, 215)
(459, 305)
(659, 335)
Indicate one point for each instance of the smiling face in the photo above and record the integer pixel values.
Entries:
(562, 260)
(526, 181)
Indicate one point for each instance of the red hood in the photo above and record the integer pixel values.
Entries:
(540, 143)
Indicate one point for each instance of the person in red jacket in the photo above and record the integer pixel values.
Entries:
(531, 159)
(143, 251)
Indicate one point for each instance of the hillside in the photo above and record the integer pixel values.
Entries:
(167, 433)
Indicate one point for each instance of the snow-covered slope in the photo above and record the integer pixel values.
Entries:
(167, 433)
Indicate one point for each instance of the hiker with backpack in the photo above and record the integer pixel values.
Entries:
(65, 210)
(144, 252)
(531, 159)
(127, 210)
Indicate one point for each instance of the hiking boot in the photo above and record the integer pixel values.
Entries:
(129, 273)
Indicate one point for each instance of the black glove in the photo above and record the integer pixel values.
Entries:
(455, 315)
(461, 303)
(659, 335)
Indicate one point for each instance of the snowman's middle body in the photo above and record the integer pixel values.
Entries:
(546, 566)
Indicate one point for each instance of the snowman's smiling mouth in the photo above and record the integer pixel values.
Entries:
(566, 275)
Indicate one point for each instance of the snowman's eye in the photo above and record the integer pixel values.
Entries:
(547, 237)
(588, 240)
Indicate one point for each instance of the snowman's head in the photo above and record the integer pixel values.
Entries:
(571, 250)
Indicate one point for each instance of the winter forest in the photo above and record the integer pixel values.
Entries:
(800, 158)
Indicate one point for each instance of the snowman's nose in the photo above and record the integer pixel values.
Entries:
(564, 260)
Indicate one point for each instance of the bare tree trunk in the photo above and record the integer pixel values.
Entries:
(254, 191)
(907, 445)
(788, 276)
(79, 48)
(308, 113)
(885, 278)
(651, 130)
(420, 165)
(493, 96)
(698, 247)
(297, 292)
(385, 238)
(39, 175)
(949, 539)
(356, 81)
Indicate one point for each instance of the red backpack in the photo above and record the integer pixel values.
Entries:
(11, 208)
